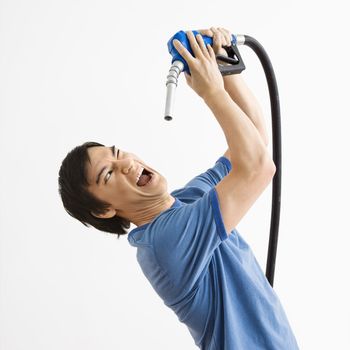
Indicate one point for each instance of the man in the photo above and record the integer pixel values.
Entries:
(187, 244)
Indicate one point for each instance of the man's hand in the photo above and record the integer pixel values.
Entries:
(205, 79)
(221, 37)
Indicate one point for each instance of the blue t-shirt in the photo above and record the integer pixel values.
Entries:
(210, 279)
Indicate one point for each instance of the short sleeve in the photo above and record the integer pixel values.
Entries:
(186, 239)
(212, 176)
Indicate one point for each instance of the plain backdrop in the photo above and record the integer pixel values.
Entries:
(75, 71)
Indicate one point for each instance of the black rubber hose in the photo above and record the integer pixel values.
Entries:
(276, 150)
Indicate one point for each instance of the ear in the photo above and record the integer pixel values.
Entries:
(107, 215)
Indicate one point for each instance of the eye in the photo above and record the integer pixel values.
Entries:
(111, 171)
(107, 177)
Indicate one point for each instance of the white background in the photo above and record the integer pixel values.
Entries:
(75, 71)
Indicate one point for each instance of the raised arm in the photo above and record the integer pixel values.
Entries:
(243, 96)
(252, 166)
(247, 148)
(236, 87)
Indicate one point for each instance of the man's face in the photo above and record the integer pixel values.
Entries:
(117, 183)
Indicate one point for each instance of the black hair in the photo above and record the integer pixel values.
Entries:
(77, 200)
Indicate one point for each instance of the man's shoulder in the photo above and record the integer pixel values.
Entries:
(188, 194)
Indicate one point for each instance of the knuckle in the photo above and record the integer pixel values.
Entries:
(196, 66)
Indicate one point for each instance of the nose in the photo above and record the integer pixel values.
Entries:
(124, 165)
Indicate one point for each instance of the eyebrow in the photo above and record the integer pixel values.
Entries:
(112, 148)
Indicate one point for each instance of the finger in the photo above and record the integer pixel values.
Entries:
(227, 35)
(207, 32)
(217, 39)
(214, 31)
(228, 32)
(221, 35)
(211, 52)
(194, 45)
(225, 38)
(183, 52)
(202, 45)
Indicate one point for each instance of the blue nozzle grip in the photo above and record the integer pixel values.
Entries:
(182, 37)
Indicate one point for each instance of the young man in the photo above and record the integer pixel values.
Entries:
(187, 244)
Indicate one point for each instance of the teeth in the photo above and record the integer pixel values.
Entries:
(139, 174)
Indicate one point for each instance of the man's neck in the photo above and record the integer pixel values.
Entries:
(149, 215)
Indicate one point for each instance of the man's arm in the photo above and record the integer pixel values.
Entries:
(244, 98)
(227, 155)
(235, 85)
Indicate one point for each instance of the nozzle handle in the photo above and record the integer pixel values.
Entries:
(234, 58)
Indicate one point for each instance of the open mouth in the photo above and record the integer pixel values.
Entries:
(145, 178)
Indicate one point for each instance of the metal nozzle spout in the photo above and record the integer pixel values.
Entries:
(171, 84)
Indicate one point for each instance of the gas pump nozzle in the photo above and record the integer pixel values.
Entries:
(234, 64)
